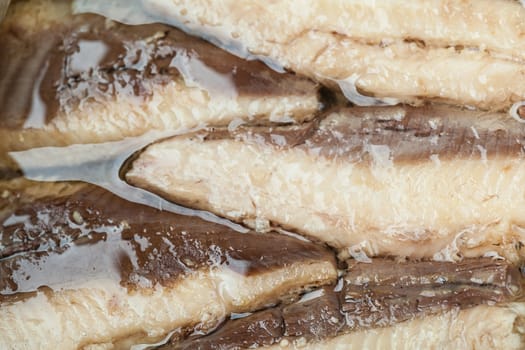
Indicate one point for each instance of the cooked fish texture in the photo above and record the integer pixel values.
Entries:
(463, 52)
(433, 182)
(482, 327)
(83, 78)
(366, 298)
(80, 267)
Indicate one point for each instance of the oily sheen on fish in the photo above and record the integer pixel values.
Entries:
(463, 52)
(82, 267)
(482, 327)
(365, 299)
(68, 78)
(434, 182)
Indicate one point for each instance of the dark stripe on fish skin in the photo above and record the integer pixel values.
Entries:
(383, 300)
(95, 233)
(132, 58)
(408, 134)
(264, 328)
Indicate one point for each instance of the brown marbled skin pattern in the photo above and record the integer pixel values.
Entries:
(370, 295)
(60, 57)
(411, 134)
(137, 244)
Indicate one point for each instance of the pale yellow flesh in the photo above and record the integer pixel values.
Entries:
(465, 52)
(482, 327)
(497, 25)
(101, 312)
(178, 105)
(174, 107)
(431, 208)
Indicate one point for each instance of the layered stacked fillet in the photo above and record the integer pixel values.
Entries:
(81, 267)
(84, 78)
(436, 186)
(433, 183)
(370, 298)
(365, 227)
(463, 52)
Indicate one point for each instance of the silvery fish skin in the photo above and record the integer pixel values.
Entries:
(463, 52)
(81, 267)
(434, 182)
(68, 79)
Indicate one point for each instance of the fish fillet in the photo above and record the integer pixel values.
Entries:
(483, 327)
(427, 295)
(463, 52)
(89, 269)
(83, 78)
(434, 182)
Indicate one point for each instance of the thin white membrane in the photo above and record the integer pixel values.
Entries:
(152, 346)
(100, 164)
(138, 13)
(124, 11)
(349, 88)
(514, 110)
(135, 12)
(230, 43)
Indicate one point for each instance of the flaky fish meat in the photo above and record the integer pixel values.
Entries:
(80, 267)
(83, 78)
(377, 52)
(434, 182)
(388, 304)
